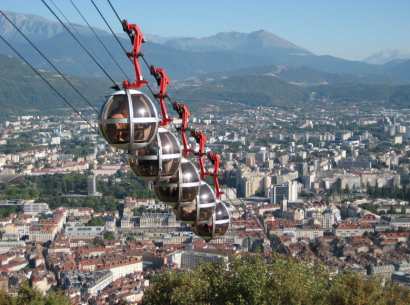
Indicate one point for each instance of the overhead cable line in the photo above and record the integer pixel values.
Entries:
(121, 155)
(48, 83)
(115, 84)
(99, 40)
(49, 62)
(85, 41)
(109, 27)
(119, 19)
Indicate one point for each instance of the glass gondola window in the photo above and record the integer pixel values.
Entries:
(200, 209)
(159, 160)
(142, 108)
(183, 186)
(117, 108)
(216, 226)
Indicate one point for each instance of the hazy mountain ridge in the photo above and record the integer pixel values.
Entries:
(255, 90)
(70, 58)
(308, 76)
(386, 55)
(231, 51)
(268, 90)
(257, 43)
(37, 28)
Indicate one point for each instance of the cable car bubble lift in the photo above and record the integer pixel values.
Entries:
(159, 160)
(183, 186)
(216, 226)
(128, 120)
(200, 209)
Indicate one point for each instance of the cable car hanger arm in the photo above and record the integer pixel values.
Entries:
(136, 39)
(162, 81)
(184, 115)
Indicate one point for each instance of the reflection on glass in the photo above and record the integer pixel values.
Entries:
(116, 108)
(205, 214)
(221, 211)
(220, 229)
(142, 107)
(186, 213)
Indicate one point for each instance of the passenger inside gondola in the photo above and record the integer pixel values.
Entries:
(121, 129)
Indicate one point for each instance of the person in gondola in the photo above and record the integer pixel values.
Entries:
(122, 133)
(120, 129)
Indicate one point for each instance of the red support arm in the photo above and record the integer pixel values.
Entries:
(163, 81)
(137, 39)
(215, 161)
(184, 115)
(200, 139)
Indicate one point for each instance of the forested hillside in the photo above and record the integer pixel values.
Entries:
(255, 90)
(23, 92)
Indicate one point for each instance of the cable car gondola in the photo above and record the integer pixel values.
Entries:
(128, 120)
(183, 187)
(214, 227)
(159, 160)
(200, 209)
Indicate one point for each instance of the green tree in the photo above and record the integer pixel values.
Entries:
(109, 235)
(97, 241)
(27, 295)
(42, 216)
(95, 222)
(249, 280)
(260, 193)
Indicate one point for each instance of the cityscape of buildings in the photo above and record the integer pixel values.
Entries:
(302, 183)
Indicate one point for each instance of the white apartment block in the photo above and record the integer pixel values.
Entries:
(190, 259)
(175, 257)
(121, 268)
(35, 208)
(6, 246)
(42, 233)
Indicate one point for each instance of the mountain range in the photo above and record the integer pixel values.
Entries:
(182, 58)
(22, 92)
(37, 28)
(259, 68)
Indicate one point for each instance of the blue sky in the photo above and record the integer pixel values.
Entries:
(346, 29)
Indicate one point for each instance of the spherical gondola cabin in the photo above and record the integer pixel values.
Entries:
(216, 226)
(159, 160)
(183, 187)
(200, 209)
(128, 120)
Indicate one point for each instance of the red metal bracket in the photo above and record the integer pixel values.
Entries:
(214, 158)
(215, 161)
(163, 81)
(200, 139)
(183, 114)
(137, 39)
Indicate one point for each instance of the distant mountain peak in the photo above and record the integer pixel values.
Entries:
(37, 28)
(261, 42)
(387, 55)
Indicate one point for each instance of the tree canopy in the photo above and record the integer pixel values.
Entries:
(27, 295)
(281, 281)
